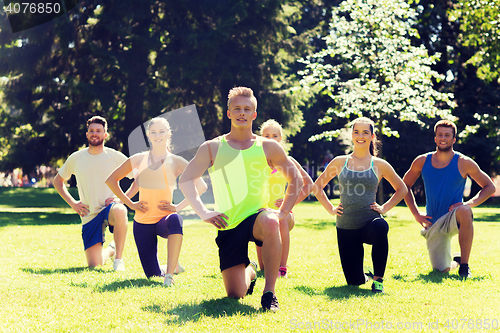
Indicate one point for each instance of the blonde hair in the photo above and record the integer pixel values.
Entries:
(271, 123)
(274, 124)
(241, 91)
(161, 121)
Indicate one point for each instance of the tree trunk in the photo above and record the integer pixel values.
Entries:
(137, 75)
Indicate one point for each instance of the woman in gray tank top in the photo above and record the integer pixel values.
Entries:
(359, 219)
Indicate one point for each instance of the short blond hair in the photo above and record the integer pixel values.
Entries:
(244, 92)
(446, 123)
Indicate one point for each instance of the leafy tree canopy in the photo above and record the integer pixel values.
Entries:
(370, 67)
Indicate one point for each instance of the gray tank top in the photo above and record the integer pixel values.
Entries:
(357, 192)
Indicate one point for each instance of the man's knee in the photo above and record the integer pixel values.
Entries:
(94, 255)
(465, 210)
(269, 224)
(118, 213)
(464, 215)
(234, 281)
(236, 294)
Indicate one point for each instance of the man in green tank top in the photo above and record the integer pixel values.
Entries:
(239, 164)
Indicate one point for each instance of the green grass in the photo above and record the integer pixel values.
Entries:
(44, 285)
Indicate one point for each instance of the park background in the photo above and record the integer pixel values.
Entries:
(405, 64)
(313, 65)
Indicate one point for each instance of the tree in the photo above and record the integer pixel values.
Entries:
(371, 68)
(313, 23)
(466, 35)
(478, 42)
(130, 62)
(480, 30)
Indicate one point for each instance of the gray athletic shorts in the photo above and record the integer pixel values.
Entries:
(438, 238)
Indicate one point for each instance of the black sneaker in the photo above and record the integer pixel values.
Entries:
(464, 271)
(269, 302)
(252, 283)
(457, 257)
(378, 286)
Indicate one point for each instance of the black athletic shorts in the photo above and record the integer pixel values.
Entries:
(233, 243)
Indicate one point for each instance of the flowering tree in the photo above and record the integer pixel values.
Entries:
(370, 67)
(480, 29)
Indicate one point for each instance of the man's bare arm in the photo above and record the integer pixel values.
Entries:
(194, 170)
(77, 206)
(482, 179)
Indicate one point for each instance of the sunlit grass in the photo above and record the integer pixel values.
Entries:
(44, 285)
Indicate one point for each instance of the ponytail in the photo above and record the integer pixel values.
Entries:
(374, 144)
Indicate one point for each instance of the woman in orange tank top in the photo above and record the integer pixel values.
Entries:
(155, 173)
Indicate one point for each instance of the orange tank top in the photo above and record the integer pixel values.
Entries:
(154, 185)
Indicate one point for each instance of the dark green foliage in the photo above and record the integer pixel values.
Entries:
(130, 61)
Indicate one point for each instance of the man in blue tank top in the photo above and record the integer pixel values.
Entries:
(444, 173)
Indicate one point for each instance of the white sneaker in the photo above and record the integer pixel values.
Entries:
(119, 265)
(179, 269)
(169, 280)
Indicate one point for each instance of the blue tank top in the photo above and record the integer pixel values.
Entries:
(443, 187)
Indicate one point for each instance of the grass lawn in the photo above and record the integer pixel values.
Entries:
(44, 285)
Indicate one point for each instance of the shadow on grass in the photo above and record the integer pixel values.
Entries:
(33, 197)
(111, 287)
(439, 277)
(400, 277)
(345, 292)
(307, 291)
(486, 217)
(37, 218)
(215, 308)
(336, 293)
(119, 285)
(131, 283)
(46, 271)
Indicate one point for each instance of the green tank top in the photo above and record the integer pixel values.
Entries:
(240, 181)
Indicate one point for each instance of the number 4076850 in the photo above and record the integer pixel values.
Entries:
(33, 8)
